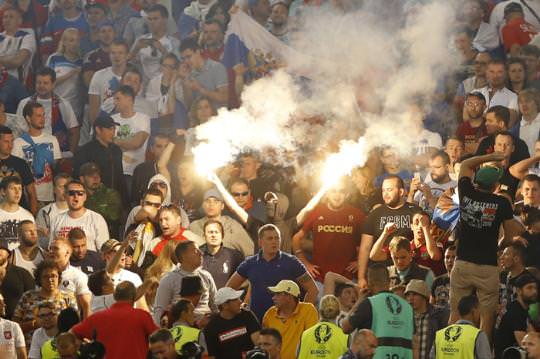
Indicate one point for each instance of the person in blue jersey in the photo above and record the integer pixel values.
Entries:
(70, 16)
(67, 63)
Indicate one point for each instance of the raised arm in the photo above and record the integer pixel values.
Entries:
(521, 168)
(377, 252)
(228, 198)
(469, 165)
(164, 160)
(313, 202)
(433, 250)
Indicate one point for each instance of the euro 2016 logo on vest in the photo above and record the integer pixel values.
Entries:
(323, 333)
(177, 333)
(451, 334)
(394, 306)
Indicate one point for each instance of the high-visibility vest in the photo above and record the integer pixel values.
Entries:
(456, 341)
(183, 334)
(392, 321)
(323, 340)
(48, 350)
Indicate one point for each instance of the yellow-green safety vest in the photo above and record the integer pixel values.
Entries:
(183, 334)
(48, 350)
(323, 340)
(456, 341)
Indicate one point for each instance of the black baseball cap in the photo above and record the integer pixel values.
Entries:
(105, 121)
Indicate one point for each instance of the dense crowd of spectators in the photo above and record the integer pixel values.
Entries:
(111, 245)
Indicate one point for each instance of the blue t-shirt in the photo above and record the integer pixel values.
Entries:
(55, 27)
(262, 274)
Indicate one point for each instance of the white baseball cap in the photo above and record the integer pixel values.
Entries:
(225, 294)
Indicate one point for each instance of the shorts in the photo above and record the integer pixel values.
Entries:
(467, 277)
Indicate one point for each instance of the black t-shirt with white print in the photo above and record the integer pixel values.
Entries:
(481, 215)
(401, 217)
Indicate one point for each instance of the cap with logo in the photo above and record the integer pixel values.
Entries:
(286, 286)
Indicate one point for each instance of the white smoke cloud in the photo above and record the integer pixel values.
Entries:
(364, 69)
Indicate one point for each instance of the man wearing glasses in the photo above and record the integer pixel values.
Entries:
(77, 216)
(242, 195)
(47, 315)
(474, 129)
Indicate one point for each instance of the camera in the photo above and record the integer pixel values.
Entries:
(91, 350)
(514, 353)
(191, 350)
(257, 353)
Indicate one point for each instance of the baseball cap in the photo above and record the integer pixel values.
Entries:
(512, 7)
(109, 245)
(212, 193)
(488, 175)
(286, 286)
(225, 294)
(105, 121)
(88, 169)
(419, 287)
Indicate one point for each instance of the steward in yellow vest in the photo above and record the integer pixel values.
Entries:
(325, 339)
(463, 340)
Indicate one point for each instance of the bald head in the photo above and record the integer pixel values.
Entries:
(364, 344)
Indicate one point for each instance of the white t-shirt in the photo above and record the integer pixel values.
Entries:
(48, 214)
(102, 302)
(38, 339)
(103, 84)
(125, 275)
(11, 338)
(74, 280)
(92, 223)
(10, 45)
(151, 63)
(528, 132)
(68, 116)
(9, 225)
(22, 149)
(127, 129)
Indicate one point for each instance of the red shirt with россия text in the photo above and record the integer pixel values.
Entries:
(336, 234)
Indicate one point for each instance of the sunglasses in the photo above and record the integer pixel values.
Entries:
(153, 204)
(76, 193)
(238, 194)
